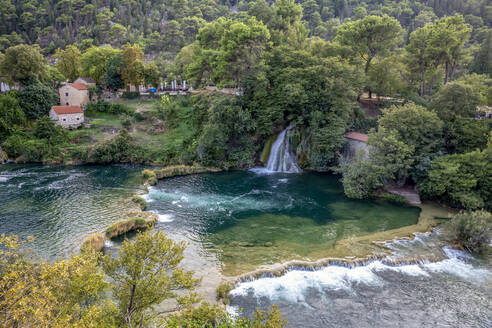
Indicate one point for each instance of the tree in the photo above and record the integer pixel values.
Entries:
(483, 59)
(10, 115)
(36, 100)
(69, 62)
(461, 180)
(133, 67)
(152, 76)
(23, 64)
(67, 293)
(94, 61)
(370, 36)
(456, 100)
(45, 128)
(473, 230)
(145, 273)
(112, 78)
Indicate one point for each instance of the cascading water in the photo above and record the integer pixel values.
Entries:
(281, 158)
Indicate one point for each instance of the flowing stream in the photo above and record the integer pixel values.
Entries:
(235, 222)
(281, 158)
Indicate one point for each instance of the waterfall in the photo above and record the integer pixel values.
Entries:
(281, 158)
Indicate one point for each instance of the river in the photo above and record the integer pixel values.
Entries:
(235, 222)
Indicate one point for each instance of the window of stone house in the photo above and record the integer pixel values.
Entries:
(66, 94)
(77, 118)
(64, 119)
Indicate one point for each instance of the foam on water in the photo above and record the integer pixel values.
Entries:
(294, 284)
(108, 243)
(3, 179)
(165, 218)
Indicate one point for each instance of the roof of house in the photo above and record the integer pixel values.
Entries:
(79, 86)
(67, 109)
(357, 136)
(87, 79)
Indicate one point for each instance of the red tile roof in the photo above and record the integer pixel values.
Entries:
(67, 109)
(79, 86)
(357, 136)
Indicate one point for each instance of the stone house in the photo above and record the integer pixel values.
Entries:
(89, 82)
(74, 94)
(67, 117)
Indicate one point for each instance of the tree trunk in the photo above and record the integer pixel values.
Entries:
(368, 62)
(370, 94)
(422, 84)
(446, 73)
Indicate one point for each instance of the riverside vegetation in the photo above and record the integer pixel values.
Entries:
(311, 65)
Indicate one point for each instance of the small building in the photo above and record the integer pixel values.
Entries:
(89, 82)
(68, 117)
(356, 144)
(74, 94)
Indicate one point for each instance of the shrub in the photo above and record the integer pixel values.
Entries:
(121, 149)
(223, 291)
(397, 199)
(130, 95)
(94, 242)
(102, 106)
(36, 100)
(140, 201)
(473, 230)
(132, 224)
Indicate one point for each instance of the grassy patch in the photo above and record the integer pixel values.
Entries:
(177, 170)
(140, 201)
(223, 292)
(94, 242)
(132, 224)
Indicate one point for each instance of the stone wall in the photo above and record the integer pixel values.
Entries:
(70, 96)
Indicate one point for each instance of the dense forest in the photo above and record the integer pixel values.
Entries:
(313, 66)
(164, 26)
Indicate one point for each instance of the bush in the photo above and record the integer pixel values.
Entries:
(130, 95)
(140, 201)
(132, 224)
(102, 106)
(397, 199)
(93, 243)
(223, 291)
(121, 149)
(472, 230)
(36, 100)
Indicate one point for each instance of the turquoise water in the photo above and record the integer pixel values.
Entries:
(250, 219)
(60, 205)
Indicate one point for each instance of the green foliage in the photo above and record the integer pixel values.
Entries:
(46, 129)
(456, 100)
(473, 230)
(145, 273)
(140, 201)
(102, 106)
(461, 180)
(94, 62)
(209, 316)
(121, 149)
(130, 95)
(23, 64)
(223, 291)
(361, 179)
(112, 78)
(10, 115)
(370, 36)
(69, 62)
(37, 99)
(466, 135)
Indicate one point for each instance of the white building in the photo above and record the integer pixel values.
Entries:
(67, 116)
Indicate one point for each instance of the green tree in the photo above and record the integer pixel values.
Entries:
(371, 36)
(36, 100)
(461, 180)
(133, 67)
(473, 230)
(23, 64)
(10, 115)
(69, 62)
(94, 61)
(145, 273)
(483, 59)
(112, 78)
(456, 100)
(152, 76)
